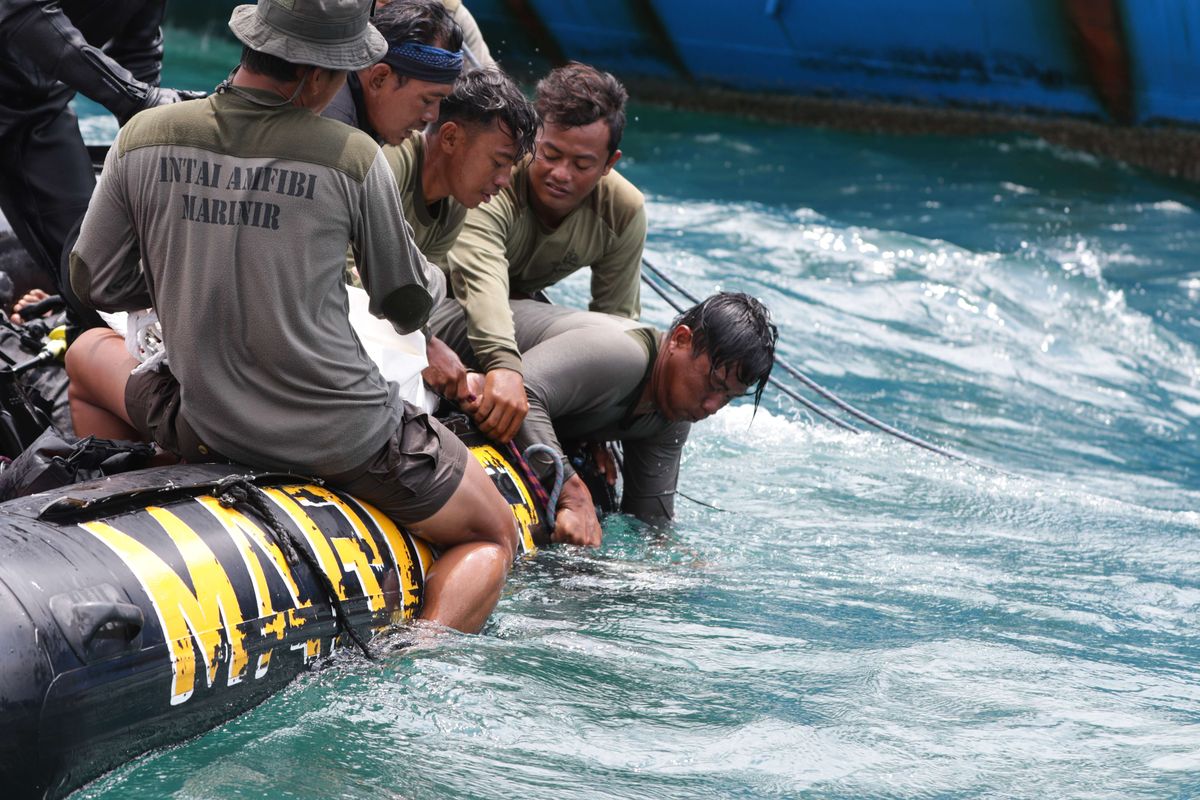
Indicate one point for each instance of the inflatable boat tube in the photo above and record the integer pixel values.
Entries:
(148, 607)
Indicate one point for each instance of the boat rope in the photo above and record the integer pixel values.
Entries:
(833, 398)
(556, 457)
(239, 493)
(701, 502)
(781, 387)
(531, 479)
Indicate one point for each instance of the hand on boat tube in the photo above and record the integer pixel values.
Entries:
(502, 406)
(575, 519)
(446, 374)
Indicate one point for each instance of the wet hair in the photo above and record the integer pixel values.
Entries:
(735, 331)
(482, 96)
(421, 21)
(577, 94)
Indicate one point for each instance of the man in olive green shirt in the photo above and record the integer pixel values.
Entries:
(565, 209)
(485, 126)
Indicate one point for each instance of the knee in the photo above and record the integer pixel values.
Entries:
(499, 525)
(80, 361)
(76, 360)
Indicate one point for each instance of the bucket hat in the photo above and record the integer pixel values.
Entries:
(333, 34)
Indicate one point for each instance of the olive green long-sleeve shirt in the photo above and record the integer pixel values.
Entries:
(435, 227)
(504, 249)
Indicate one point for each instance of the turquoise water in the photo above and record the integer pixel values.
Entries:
(865, 619)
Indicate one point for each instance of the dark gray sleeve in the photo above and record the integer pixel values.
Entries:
(403, 287)
(139, 47)
(651, 473)
(45, 37)
(341, 107)
(576, 374)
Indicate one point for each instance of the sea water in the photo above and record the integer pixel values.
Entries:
(861, 618)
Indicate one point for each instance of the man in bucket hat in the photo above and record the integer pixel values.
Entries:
(231, 217)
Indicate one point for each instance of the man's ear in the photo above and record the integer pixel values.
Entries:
(612, 160)
(377, 76)
(450, 136)
(681, 337)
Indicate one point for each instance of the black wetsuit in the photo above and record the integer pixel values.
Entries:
(108, 50)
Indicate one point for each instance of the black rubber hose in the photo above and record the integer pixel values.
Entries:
(828, 395)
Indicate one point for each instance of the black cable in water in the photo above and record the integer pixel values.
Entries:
(783, 388)
(830, 396)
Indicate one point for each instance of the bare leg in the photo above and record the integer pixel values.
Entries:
(98, 367)
(478, 536)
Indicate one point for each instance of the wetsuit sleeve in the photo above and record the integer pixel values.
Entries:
(479, 274)
(403, 287)
(651, 473)
(139, 48)
(579, 372)
(616, 276)
(48, 39)
(106, 271)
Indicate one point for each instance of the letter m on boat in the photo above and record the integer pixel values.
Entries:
(205, 620)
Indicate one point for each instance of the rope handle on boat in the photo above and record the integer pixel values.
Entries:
(557, 458)
(239, 493)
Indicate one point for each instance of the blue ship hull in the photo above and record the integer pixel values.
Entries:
(1123, 61)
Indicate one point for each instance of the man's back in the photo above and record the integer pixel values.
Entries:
(242, 215)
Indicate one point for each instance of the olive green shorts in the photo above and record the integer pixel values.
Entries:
(409, 479)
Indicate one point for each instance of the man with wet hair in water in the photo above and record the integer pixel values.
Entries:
(565, 209)
(402, 91)
(231, 217)
(593, 378)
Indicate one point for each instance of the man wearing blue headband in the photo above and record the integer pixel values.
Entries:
(402, 91)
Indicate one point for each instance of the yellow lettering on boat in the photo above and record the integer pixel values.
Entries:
(209, 617)
(353, 559)
(410, 578)
(245, 533)
(525, 513)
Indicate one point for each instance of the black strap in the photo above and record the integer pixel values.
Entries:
(239, 493)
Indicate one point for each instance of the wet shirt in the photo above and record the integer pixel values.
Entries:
(434, 227)
(504, 249)
(584, 373)
(232, 221)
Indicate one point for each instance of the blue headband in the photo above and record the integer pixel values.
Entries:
(424, 62)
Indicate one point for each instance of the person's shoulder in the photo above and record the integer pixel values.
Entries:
(336, 145)
(403, 158)
(176, 123)
(618, 202)
(223, 125)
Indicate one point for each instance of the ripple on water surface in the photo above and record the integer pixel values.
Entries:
(864, 619)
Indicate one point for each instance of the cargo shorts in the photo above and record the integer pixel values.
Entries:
(410, 478)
